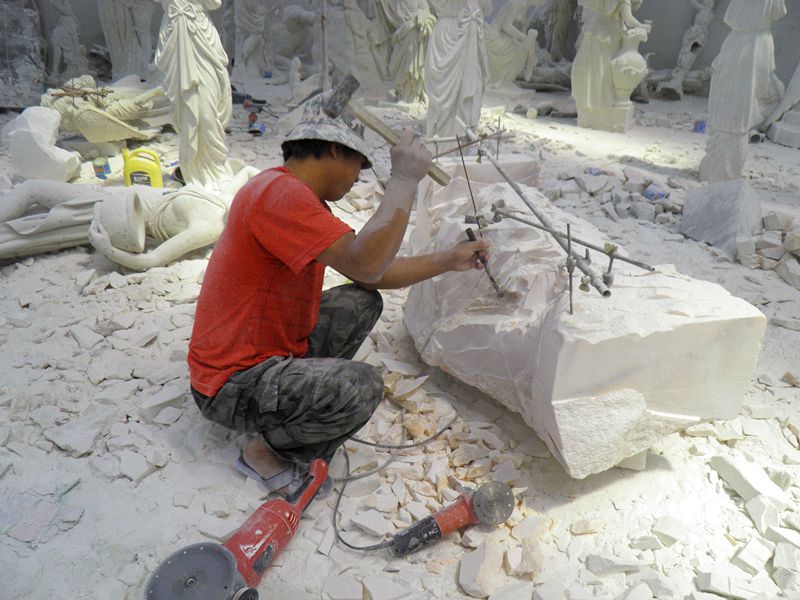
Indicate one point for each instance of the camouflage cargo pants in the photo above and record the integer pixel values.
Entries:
(307, 407)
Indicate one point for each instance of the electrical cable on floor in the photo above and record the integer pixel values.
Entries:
(424, 442)
(338, 533)
(350, 477)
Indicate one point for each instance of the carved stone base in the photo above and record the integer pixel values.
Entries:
(616, 118)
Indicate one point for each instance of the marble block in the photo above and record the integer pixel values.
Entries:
(722, 214)
(663, 352)
(32, 140)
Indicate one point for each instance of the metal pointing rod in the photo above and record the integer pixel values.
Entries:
(472, 238)
(580, 262)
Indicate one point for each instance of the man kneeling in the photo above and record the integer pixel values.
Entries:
(271, 353)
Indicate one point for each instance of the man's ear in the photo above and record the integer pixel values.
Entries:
(334, 151)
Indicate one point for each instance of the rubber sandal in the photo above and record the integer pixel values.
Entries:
(288, 477)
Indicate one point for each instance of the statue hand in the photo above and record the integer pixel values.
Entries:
(98, 237)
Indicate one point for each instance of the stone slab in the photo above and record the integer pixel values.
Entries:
(722, 214)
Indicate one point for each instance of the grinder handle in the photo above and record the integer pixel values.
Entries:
(433, 528)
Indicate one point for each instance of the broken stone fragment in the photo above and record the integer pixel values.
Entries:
(549, 590)
(506, 473)
(586, 526)
(79, 436)
(669, 530)
(480, 571)
(788, 580)
(753, 556)
(216, 506)
(783, 535)
(611, 565)
(778, 221)
(86, 338)
(763, 513)
(513, 591)
(383, 588)
(533, 526)
(134, 466)
(640, 591)
(789, 270)
(748, 480)
(342, 587)
(169, 395)
(372, 522)
(168, 415)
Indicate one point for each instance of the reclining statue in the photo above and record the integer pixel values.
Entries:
(41, 216)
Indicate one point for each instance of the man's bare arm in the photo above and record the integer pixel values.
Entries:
(408, 270)
(366, 256)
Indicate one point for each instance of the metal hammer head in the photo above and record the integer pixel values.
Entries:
(337, 100)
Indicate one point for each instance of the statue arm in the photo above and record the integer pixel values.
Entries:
(631, 22)
(199, 234)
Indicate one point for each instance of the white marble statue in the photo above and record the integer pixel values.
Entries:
(456, 66)
(301, 88)
(782, 125)
(116, 21)
(608, 66)
(67, 54)
(41, 216)
(511, 47)
(178, 221)
(411, 24)
(744, 88)
(293, 36)
(559, 17)
(253, 39)
(142, 12)
(663, 352)
(228, 34)
(352, 44)
(107, 114)
(194, 66)
(693, 41)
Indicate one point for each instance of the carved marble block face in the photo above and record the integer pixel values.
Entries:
(603, 384)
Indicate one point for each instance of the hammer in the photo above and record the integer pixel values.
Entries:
(341, 98)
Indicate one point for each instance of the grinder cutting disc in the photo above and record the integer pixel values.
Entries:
(493, 503)
(204, 571)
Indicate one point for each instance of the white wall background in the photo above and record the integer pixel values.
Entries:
(670, 19)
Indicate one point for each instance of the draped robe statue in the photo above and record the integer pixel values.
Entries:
(744, 89)
(412, 23)
(456, 66)
(194, 64)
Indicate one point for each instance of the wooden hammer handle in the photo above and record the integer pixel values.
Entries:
(371, 120)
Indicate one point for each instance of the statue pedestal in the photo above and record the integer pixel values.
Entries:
(615, 118)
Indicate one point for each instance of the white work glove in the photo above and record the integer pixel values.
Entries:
(410, 158)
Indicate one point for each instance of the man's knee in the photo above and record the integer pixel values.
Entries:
(361, 388)
(372, 303)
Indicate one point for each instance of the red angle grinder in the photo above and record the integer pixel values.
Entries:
(491, 504)
(231, 571)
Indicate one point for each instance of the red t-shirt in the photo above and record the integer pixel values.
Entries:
(262, 287)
